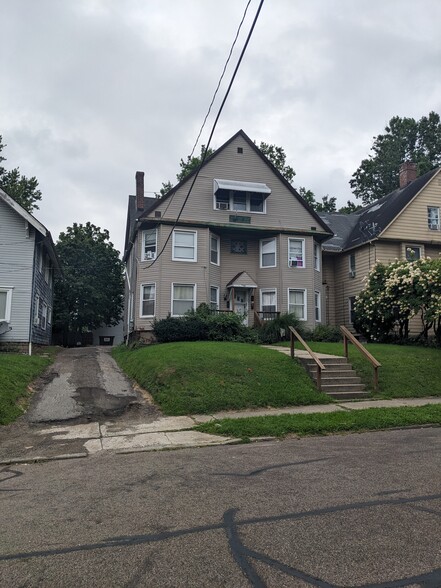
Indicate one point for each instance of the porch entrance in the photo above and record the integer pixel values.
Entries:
(240, 305)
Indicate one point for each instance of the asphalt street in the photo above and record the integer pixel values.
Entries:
(351, 510)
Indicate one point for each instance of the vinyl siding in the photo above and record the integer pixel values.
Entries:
(411, 224)
(328, 289)
(16, 264)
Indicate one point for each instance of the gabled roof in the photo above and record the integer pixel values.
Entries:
(132, 215)
(352, 230)
(29, 218)
(242, 280)
(241, 133)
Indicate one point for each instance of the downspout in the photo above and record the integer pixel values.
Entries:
(129, 304)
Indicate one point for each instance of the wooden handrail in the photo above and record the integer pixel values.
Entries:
(320, 366)
(347, 335)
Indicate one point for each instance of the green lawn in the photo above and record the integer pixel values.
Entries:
(369, 419)
(406, 371)
(208, 376)
(16, 373)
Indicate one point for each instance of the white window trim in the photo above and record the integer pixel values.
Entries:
(8, 306)
(230, 208)
(43, 316)
(413, 246)
(438, 226)
(195, 246)
(317, 259)
(261, 254)
(349, 308)
(172, 299)
(141, 300)
(303, 254)
(212, 236)
(305, 301)
(262, 291)
(318, 306)
(217, 296)
(143, 257)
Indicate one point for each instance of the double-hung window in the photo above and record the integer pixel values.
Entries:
(351, 305)
(183, 298)
(149, 244)
(37, 310)
(297, 303)
(433, 218)
(413, 252)
(214, 298)
(268, 304)
(43, 316)
(296, 252)
(268, 253)
(318, 306)
(214, 249)
(317, 257)
(240, 196)
(184, 245)
(46, 269)
(5, 304)
(148, 300)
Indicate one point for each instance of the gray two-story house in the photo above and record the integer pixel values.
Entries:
(243, 241)
(27, 264)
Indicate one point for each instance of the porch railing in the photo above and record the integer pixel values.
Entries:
(320, 367)
(348, 336)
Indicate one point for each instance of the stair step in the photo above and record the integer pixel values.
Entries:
(326, 380)
(342, 388)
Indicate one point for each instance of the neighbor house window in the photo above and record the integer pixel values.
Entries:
(317, 257)
(268, 253)
(268, 304)
(351, 303)
(46, 270)
(149, 244)
(49, 315)
(40, 259)
(318, 306)
(184, 245)
(296, 252)
(433, 219)
(148, 300)
(214, 249)
(5, 304)
(183, 298)
(297, 303)
(43, 316)
(37, 310)
(214, 298)
(413, 252)
(352, 265)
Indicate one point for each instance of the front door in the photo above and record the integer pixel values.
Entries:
(241, 303)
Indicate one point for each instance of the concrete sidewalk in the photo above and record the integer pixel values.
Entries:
(82, 440)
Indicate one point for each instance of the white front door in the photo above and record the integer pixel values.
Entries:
(241, 303)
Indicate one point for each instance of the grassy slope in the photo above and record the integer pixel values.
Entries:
(406, 371)
(16, 373)
(324, 423)
(206, 376)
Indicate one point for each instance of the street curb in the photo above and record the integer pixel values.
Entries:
(235, 441)
(41, 459)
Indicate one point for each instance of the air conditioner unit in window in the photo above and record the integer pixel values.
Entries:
(150, 255)
(294, 263)
(222, 205)
(352, 274)
(434, 226)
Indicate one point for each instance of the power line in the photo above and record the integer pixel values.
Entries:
(204, 154)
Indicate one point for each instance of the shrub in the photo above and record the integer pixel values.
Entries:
(326, 333)
(187, 328)
(270, 331)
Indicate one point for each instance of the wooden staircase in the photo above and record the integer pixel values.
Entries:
(339, 380)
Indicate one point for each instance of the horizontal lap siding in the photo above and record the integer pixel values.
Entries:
(328, 297)
(16, 262)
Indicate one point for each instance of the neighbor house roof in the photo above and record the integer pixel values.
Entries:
(352, 230)
(132, 216)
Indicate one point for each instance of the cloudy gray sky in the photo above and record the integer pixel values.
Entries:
(93, 90)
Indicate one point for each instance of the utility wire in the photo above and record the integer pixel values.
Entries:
(204, 155)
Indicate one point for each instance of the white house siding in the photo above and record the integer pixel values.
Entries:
(16, 265)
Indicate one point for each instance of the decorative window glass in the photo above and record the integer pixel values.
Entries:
(318, 306)
(317, 257)
(214, 249)
(183, 298)
(214, 298)
(43, 316)
(297, 303)
(296, 253)
(148, 299)
(268, 253)
(5, 304)
(268, 304)
(352, 265)
(149, 244)
(433, 219)
(239, 247)
(184, 245)
(413, 252)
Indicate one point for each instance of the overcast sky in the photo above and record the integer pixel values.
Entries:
(93, 90)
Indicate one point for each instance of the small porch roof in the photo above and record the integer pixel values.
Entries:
(242, 280)
(236, 185)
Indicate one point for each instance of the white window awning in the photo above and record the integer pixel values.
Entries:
(253, 187)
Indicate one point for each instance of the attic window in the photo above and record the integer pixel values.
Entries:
(241, 196)
(240, 149)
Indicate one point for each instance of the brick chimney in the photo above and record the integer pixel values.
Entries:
(139, 176)
(408, 173)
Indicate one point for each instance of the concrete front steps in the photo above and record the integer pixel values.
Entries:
(339, 379)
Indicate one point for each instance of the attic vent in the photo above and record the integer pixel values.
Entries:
(240, 149)
(157, 214)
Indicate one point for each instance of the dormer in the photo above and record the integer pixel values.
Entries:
(240, 196)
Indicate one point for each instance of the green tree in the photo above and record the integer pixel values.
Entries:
(277, 156)
(405, 139)
(22, 189)
(192, 163)
(90, 294)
